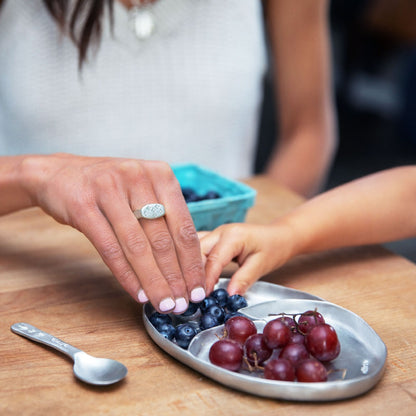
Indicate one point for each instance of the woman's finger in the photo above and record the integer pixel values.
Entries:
(97, 229)
(137, 249)
(164, 252)
(181, 229)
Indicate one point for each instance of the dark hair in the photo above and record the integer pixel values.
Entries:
(80, 20)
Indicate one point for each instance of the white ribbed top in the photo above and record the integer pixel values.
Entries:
(191, 93)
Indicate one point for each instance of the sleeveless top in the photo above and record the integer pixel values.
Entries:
(190, 93)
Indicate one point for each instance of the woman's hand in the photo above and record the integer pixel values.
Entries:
(257, 249)
(153, 259)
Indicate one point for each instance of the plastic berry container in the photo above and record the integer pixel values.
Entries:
(235, 198)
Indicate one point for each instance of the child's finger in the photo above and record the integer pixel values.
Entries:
(249, 272)
(219, 252)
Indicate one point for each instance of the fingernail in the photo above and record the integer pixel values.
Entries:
(181, 305)
(166, 304)
(198, 294)
(142, 296)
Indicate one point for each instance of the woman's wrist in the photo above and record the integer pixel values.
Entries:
(34, 173)
(14, 182)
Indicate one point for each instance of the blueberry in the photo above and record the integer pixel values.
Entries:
(236, 302)
(167, 331)
(192, 308)
(207, 302)
(208, 321)
(221, 296)
(184, 334)
(216, 311)
(157, 319)
(187, 193)
(211, 195)
(194, 198)
(196, 326)
(190, 195)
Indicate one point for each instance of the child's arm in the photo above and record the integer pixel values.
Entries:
(377, 208)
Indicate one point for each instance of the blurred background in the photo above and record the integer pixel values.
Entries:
(374, 62)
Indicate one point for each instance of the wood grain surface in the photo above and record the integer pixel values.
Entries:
(51, 277)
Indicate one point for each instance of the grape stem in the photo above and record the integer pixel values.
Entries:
(250, 367)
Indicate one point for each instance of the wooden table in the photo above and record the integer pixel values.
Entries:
(51, 276)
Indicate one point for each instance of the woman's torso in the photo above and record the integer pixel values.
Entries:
(190, 93)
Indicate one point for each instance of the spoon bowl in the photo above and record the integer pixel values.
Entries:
(98, 371)
(89, 369)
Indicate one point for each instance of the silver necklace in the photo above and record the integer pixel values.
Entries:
(142, 20)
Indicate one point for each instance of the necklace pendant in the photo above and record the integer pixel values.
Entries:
(142, 22)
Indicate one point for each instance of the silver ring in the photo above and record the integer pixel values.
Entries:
(150, 211)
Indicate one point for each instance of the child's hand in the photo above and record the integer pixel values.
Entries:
(257, 249)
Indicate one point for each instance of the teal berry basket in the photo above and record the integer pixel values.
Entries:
(235, 198)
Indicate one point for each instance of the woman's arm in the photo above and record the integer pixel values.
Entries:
(157, 260)
(377, 208)
(300, 47)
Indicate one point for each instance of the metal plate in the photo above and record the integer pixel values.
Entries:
(363, 354)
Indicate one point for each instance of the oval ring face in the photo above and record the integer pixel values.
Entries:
(150, 211)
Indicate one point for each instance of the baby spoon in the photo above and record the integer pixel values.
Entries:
(92, 370)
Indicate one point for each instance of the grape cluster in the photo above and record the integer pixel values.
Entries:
(214, 310)
(291, 347)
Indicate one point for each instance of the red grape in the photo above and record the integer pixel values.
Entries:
(288, 321)
(256, 350)
(308, 320)
(322, 342)
(296, 338)
(287, 350)
(239, 328)
(227, 354)
(295, 353)
(279, 369)
(276, 333)
(311, 370)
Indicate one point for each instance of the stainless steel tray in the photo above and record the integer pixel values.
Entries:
(363, 354)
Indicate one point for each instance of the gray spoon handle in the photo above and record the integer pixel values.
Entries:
(35, 334)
